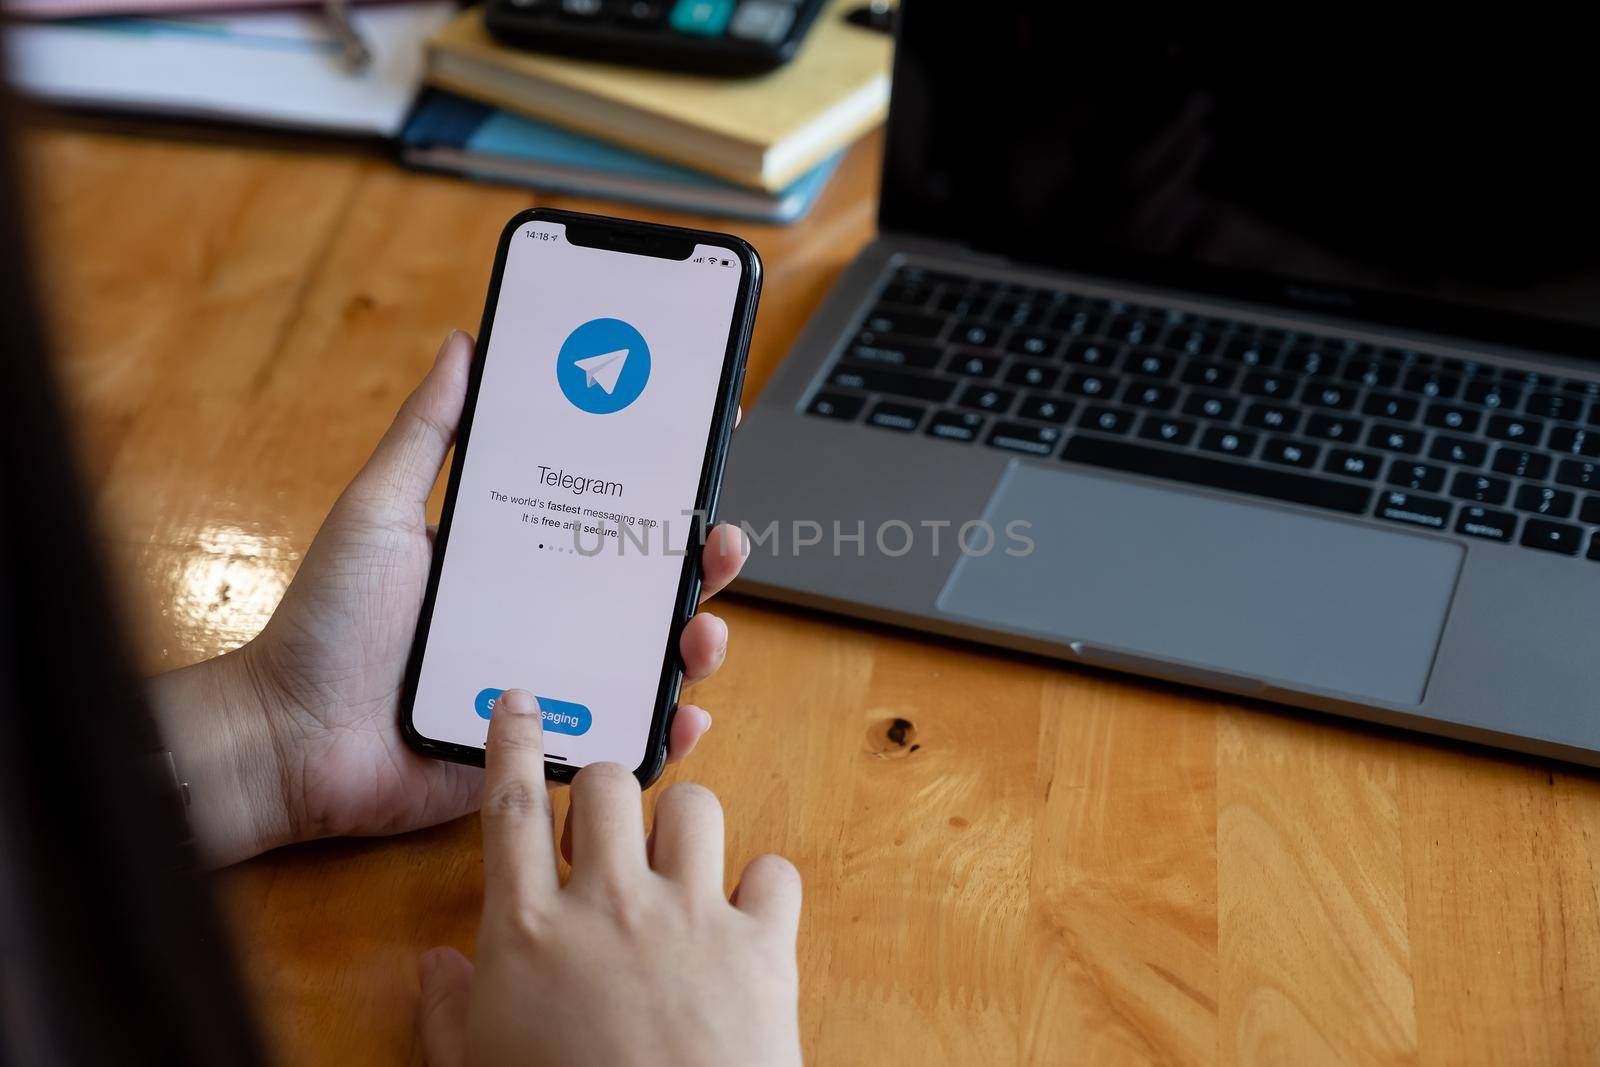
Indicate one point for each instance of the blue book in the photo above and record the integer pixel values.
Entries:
(460, 136)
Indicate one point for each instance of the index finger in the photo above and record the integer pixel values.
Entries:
(519, 865)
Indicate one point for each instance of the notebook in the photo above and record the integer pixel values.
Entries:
(460, 136)
(276, 68)
(764, 132)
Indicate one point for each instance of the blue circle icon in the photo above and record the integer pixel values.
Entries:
(603, 366)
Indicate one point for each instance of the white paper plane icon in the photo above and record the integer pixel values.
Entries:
(603, 369)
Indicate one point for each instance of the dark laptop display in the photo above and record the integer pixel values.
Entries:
(1345, 173)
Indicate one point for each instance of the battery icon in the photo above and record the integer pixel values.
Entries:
(725, 263)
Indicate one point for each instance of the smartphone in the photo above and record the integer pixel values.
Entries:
(602, 396)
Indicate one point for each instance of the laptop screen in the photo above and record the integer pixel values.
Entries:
(1445, 184)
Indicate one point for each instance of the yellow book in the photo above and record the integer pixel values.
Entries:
(763, 132)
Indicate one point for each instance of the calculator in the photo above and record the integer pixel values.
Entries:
(703, 36)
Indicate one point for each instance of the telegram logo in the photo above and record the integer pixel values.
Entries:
(603, 366)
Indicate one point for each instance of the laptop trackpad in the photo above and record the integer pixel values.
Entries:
(1273, 595)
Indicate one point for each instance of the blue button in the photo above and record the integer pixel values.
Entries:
(705, 17)
(560, 716)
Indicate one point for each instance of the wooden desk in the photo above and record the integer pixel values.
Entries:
(1045, 865)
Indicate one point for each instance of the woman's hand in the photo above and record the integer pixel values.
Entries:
(640, 959)
(295, 735)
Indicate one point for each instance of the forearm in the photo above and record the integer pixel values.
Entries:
(213, 719)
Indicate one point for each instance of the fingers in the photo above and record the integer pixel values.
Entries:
(769, 890)
(518, 853)
(689, 724)
(703, 646)
(720, 561)
(688, 838)
(607, 825)
(442, 1010)
(406, 463)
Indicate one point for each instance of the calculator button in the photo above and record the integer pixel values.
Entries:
(704, 18)
(761, 20)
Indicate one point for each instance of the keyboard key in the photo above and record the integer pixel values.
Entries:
(1594, 546)
(897, 383)
(1413, 509)
(983, 398)
(1493, 394)
(1329, 395)
(907, 289)
(894, 320)
(1195, 469)
(1556, 503)
(1166, 430)
(1017, 437)
(1522, 463)
(1045, 409)
(956, 425)
(1251, 351)
(1451, 417)
(1395, 439)
(1389, 406)
(1092, 353)
(1312, 358)
(962, 303)
(1574, 442)
(890, 416)
(1106, 420)
(1486, 523)
(1333, 427)
(1511, 428)
(1547, 405)
(1590, 512)
(1259, 383)
(1155, 397)
(1272, 417)
(1480, 488)
(1553, 536)
(1033, 375)
(1091, 384)
(1033, 343)
(1594, 414)
(1228, 442)
(1353, 464)
(1192, 341)
(1577, 473)
(1289, 452)
(1423, 476)
(973, 364)
(1212, 375)
(1459, 450)
(1151, 364)
(836, 406)
(1431, 382)
(890, 353)
(1211, 406)
(1371, 371)
(1077, 321)
(976, 334)
(1132, 329)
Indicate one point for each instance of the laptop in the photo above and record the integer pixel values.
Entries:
(1271, 367)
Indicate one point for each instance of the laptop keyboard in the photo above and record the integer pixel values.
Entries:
(1405, 436)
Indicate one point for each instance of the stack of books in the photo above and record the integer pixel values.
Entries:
(756, 148)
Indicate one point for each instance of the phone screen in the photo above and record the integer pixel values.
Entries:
(574, 505)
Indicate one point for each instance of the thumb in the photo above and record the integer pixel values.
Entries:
(442, 1012)
(402, 470)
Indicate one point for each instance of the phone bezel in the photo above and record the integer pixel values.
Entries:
(626, 237)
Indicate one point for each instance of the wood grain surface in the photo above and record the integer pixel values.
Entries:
(1006, 861)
